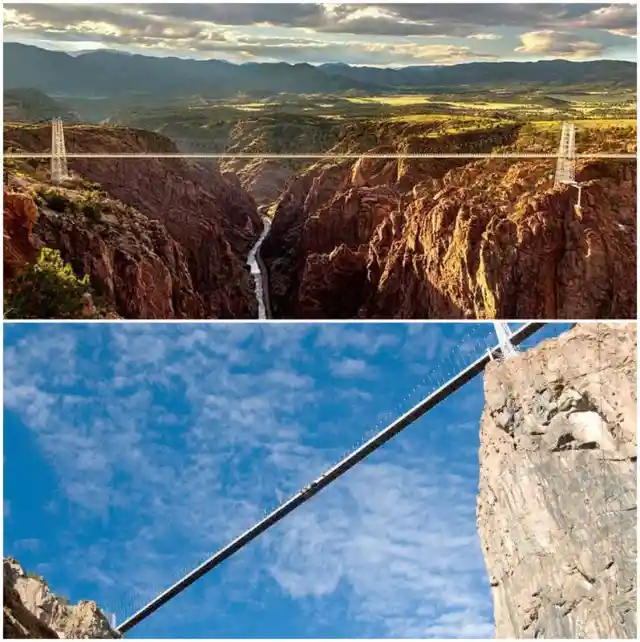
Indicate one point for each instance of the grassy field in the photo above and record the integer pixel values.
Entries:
(396, 101)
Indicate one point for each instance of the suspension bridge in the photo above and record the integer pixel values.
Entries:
(566, 156)
(506, 348)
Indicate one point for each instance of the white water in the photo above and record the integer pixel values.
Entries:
(252, 262)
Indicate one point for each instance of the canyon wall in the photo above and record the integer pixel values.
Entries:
(557, 501)
(438, 238)
(31, 610)
(173, 237)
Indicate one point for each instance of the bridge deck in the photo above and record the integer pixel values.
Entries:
(393, 429)
(71, 155)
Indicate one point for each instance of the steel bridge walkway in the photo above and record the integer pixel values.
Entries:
(504, 348)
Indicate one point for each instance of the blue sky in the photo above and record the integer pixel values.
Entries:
(379, 34)
(133, 451)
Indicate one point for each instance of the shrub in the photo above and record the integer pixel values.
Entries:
(48, 289)
(92, 210)
(55, 200)
(91, 206)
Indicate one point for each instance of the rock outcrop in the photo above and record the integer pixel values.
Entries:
(454, 239)
(174, 246)
(136, 267)
(31, 610)
(557, 500)
(20, 214)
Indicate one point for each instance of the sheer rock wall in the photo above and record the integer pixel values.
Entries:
(557, 503)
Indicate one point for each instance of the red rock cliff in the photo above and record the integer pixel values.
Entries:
(454, 239)
(182, 233)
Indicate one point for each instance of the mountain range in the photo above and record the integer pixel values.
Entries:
(111, 73)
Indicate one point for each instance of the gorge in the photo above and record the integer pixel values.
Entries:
(372, 238)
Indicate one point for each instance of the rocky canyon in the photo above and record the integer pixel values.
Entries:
(557, 502)
(350, 238)
(427, 239)
(159, 238)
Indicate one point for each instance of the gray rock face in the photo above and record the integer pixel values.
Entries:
(32, 600)
(557, 501)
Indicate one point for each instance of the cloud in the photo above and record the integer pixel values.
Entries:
(333, 335)
(619, 19)
(438, 54)
(413, 532)
(287, 15)
(287, 379)
(28, 544)
(179, 437)
(484, 36)
(552, 44)
(348, 368)
(309, 32)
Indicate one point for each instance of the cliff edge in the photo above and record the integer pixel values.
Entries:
(31, 610)
(557, 500)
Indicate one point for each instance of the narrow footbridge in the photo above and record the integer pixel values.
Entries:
(503, 350)
(332, 156)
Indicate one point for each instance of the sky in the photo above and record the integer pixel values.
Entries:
(134, 451)
(385, 34)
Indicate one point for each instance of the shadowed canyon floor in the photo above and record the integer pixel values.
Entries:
(371, 238)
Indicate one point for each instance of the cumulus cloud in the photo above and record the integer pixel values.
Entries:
(309, 32)
(618, 19)
(556, 44)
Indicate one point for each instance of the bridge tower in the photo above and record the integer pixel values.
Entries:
(566, 167)
(59, 171)
(504, 339)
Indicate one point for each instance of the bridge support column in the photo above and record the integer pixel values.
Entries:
(566, 167)
(59, 171)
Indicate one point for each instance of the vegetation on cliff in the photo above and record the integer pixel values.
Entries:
(48, 289)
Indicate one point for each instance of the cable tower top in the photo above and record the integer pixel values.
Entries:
(566, 167)
(504, 339)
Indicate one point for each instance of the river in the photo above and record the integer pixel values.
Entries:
(259, 278)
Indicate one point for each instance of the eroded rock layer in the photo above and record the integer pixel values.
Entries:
(557, 500)
(31, 610)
